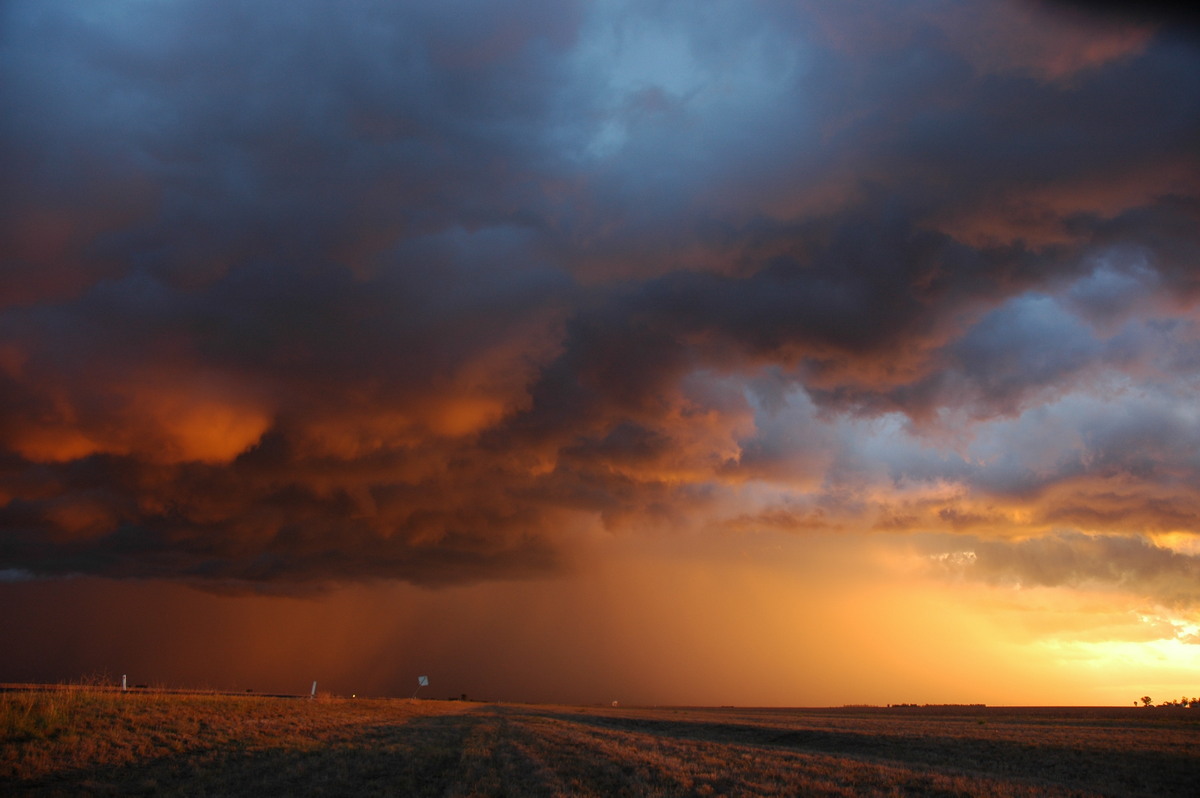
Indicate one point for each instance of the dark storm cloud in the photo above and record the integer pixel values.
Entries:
(264, 519)
(878, 279)
(316, 290)
(1173, 16)
(288, 132)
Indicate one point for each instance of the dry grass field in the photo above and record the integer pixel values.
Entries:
(94, 742)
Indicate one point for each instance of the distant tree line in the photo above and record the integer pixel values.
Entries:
(899, 706)
(1185, 702)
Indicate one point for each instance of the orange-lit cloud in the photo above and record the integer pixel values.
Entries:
(164, 419)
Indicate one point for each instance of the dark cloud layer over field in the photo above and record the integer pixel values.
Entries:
(303, 293)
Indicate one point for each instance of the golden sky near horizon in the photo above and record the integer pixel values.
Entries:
(769, 626)
(793, 353)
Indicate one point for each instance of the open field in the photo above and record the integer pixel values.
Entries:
(93, 742)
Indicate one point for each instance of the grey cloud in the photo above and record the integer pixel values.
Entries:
(1147, 440)
(1071, 559)
(1028, 344)
(1121, 283)
(1165, 234)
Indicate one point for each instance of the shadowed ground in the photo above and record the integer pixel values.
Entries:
(171, 745)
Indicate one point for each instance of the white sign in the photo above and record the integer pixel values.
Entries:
(423, 681)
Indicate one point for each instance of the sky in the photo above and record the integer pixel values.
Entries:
(668, 352)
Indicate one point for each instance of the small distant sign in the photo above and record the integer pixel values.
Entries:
(423, 681)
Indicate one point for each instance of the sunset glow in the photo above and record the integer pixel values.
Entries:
(750, 353)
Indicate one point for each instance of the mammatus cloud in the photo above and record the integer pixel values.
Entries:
(312, 293)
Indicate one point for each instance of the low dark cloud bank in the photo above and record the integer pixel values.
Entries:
(305, 292)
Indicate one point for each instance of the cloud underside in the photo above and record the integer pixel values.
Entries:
(1156, 575)
(312, 293)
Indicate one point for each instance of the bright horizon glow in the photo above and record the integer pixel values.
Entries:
(772, 625)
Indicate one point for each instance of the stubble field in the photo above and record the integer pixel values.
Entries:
(94, 742)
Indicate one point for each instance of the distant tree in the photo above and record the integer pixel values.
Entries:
(1146, 700)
